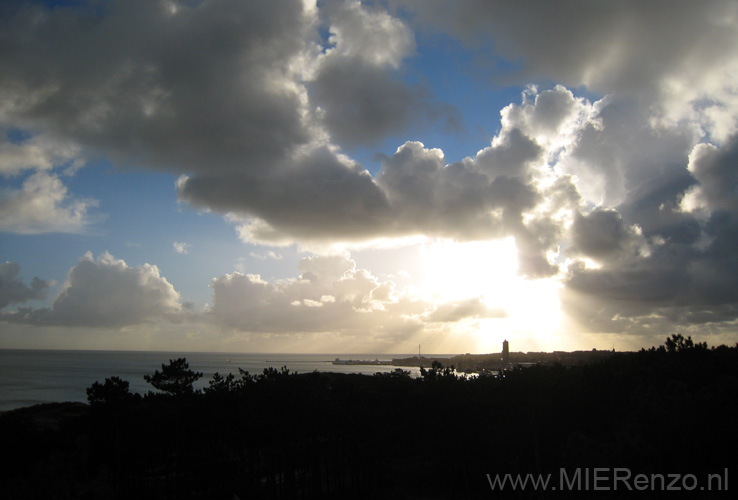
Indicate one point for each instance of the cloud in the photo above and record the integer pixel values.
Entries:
(270, 254)
(602, 235)
(654, 47)
(355, 84)
(371, 35)
(42, 205)
(654, 281)
(507, 189)
(362, 104)
(627, 195)
(322, 195)
(35, 153)
(14, 291)
(333, 295)
(330, 295)
(182, 248)
(238, 98)
(160, 87)
(715, 171)
(106, 292)
(470, 308)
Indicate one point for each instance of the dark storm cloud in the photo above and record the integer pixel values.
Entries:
(14, 291)
(670, 283)
(185, 90)
(603, 235)
(362, 104)
(318, 196)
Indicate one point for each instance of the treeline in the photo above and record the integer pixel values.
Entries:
(281, 435)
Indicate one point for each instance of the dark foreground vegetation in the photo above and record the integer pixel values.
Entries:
(475, 363)
(665, 411)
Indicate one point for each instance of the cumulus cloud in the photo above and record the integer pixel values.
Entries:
(106, 292)
(28, 152)
(671, 276)
(360, 98)
(14, 291)
(42, 204)
(602, 235)
(506, 189)
(332, 295)
(323, 195)
(717, 176)
(250, 104)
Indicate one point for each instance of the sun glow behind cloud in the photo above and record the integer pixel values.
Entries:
(457, 270)
(489, 270)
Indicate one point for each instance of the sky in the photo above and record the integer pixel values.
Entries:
(367, 177)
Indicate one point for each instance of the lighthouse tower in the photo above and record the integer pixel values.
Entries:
(505, 352)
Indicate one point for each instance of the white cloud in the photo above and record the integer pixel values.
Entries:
(332, 295)
(106, 292)
(715, 170)
(42, 205)
(181, 247)
(373, 36)
(269, 255)
(35, 153)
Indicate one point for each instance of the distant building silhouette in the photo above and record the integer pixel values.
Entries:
(505, 351)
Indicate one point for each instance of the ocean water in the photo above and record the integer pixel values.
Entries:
(29, 377)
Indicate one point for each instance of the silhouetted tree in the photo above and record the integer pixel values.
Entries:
(271, 374)
(114, 392)
(396, 373)
(437, 372)
(176, 378)
(677, 343)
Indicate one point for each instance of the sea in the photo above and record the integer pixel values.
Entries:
(29, 377)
